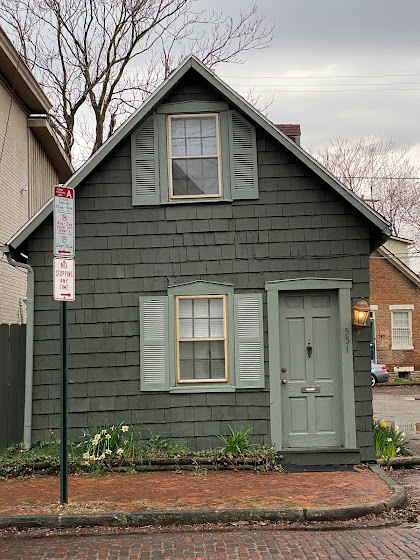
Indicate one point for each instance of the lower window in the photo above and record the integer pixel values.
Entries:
(201, 339)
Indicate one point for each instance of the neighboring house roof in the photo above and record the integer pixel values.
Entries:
(399, 265)
(378, 224)
(21, 83)
(290, 129)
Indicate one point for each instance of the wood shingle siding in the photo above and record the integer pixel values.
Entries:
(296, 228)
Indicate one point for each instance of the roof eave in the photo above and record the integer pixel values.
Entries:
(399, 265)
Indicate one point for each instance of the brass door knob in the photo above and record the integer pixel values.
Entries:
(284, 381)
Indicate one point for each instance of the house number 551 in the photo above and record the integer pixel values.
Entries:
(347, 338)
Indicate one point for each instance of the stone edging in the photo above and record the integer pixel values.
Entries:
(190, 517)
(401, 461)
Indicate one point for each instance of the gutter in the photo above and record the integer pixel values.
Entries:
(27, 417)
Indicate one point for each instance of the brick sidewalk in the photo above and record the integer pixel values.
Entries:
(160, 491)
(245, 544)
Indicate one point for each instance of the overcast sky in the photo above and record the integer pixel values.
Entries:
(352, 68)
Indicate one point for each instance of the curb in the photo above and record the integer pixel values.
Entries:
(191, 517)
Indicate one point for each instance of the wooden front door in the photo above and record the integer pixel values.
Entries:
(310, 370)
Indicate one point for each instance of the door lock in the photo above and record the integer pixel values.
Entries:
(309, 349)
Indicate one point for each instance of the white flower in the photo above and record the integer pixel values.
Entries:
(398, 450)
(124, 428)
(92, 458)
(95, 441)
(403, 434)
(103, 432)
(389, 439)
(108, 436)
(108, 452)
(85, 455)
(101, 457)
(120, 451)
(86, 463)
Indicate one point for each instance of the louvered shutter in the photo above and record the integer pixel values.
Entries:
(243, 157)
(154, 351)
(145, 168)
(249, 341)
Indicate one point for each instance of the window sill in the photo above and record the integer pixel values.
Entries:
(194, 201)
(402, 347)
(205, 388)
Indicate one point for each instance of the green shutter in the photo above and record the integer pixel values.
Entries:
(243, 157)
(154, 351)
(144, 162)
(249, 341)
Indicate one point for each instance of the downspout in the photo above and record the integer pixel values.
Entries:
(27, 417)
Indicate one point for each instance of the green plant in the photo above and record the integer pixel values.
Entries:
(237, 442)
(389, 441)
(101, 445)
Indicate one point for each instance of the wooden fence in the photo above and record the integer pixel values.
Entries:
(12, 383)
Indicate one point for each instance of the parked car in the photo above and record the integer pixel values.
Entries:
(379, 373)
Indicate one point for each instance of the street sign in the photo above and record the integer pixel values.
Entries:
(64, 279)
(63, 222)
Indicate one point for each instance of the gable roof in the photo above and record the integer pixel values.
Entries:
(399, 265)
(379, 225)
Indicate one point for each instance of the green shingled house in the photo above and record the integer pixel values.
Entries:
(216, 268)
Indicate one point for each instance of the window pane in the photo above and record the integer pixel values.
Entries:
(178, 147)
(192, 127)
(216, 328)
(216, 307)
(178, 128)
(201, 307)
(185, 328)
(201, 328)
(202, 360)
(185, 307)
(209, 146)
(195, 176)
(193, 147)
(208, 127)
(400, 319)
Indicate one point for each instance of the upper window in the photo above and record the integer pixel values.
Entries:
(203, 153)
(201, 339)
(194, 156)
(402, 337)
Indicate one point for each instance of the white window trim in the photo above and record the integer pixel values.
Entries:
(173, 197)
(408, 308)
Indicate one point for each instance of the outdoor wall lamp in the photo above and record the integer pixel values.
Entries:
(361, 311)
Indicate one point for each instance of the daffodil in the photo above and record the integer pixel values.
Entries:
(124, 428)
(98, 436)
(108, 436)
(95, 442)
(85, 455)
(382, 423)
(389, 439)
(86, 463)
(92, 457)
(103, 432)
(120, 451)
(108, 452)
(101, 457)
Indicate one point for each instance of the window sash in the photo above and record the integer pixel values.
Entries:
(401, 328)
(172, 158)
(179, 339)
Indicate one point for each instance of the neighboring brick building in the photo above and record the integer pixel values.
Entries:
(31, 162)
(395, 304)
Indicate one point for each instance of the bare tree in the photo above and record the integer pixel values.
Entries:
(383, 175)
(97, 59)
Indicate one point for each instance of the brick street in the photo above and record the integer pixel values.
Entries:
(391, 543)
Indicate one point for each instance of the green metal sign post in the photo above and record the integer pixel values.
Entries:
(64, 495)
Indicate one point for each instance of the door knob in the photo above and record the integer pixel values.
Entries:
(284, 381)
